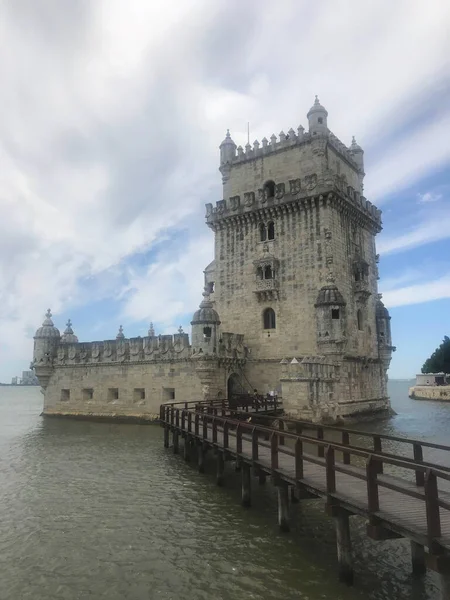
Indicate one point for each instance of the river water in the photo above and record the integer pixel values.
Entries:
(93, 510)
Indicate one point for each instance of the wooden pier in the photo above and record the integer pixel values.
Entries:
(402, 495)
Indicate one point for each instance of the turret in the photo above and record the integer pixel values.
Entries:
(205, 328)
(358, 156)
(227, 154)
(331, 319)
(46, 341)
(317, 118)
(120, 335)
(68, 337)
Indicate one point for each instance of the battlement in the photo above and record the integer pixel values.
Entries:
(300, 192)
(310, 368)
(162, 347)
(289, 140)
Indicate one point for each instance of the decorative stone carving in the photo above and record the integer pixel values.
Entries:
(136, 349)
(295, 186)
(221, 206)
(279, 190)
(249, 198)
(209, 209)
(235, 202)
(96, 351)
(61, 355)
(72, 353)
(261, 196)
(311, 181)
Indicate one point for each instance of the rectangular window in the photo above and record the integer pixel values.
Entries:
(65, 395)
(88, 393)
(138, 394)
(168, 394)
(113, 394)
(335, 313)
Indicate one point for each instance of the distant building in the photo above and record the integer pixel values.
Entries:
(29, 378)
(15, 381)
(432, 379)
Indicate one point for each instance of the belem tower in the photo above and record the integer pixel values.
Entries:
(290, 302)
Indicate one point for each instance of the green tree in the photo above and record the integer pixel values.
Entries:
(439, 361)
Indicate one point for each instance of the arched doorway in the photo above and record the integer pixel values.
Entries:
(234, 389)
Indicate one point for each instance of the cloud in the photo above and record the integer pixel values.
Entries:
(425, 291)
(431, 227)
(428, 197)
(111, 115)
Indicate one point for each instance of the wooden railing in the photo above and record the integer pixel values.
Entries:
(206, 427)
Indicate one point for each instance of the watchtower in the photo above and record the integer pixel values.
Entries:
(295, 266)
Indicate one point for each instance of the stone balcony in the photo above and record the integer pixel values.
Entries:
(361, 289)
(267, 289)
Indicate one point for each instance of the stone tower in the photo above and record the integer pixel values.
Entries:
(295, 269)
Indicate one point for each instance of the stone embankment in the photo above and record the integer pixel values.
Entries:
(430, 392)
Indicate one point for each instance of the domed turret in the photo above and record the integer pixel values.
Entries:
(227, 149)
(205, 327)
(46, 340)
(383, 320)
(328, 295)
(331, 319)
(68, 337)
(317, 118)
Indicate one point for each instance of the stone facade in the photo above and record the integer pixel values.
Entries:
(294, 276)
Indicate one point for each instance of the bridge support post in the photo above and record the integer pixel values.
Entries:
(246, 485)
(166, 436)
(294, 497)
(187, 449)
(201, 458)
(261, 478)
(344, 546)
(283, 506)
(175, 441)
(418, 558)
(220, 468)
(445, 586)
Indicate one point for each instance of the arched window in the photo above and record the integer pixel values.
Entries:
(206, 333)
(320, 120)
(260, 273)
(269, 189)
(262, 232)
(359, 318)
(271, 231)
(268, 273)
(269, 318)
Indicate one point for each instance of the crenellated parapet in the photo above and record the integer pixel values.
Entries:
(317, 141)
(123, 350)
(291, 196)
(311, 368)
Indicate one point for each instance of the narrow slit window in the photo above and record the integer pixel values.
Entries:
(359, 318)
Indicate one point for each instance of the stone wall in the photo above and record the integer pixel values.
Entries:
(133, 390)
(424, 392)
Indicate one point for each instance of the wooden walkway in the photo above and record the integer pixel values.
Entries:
(353, 479)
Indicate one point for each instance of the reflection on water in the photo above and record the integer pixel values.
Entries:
(93, 510)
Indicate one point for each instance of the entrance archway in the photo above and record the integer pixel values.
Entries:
(234, 388)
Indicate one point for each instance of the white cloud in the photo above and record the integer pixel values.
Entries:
(111, 115)
(428, 197)
(432, 227)
(424, 291)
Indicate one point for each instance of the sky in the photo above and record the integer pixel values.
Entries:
(111, 114)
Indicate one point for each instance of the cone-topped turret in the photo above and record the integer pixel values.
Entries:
(120, 335)
(47, 330)
(317, 118)
(227, 149)
(205, 327)
(68, 337)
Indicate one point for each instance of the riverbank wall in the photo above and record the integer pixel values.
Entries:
(427, 392)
